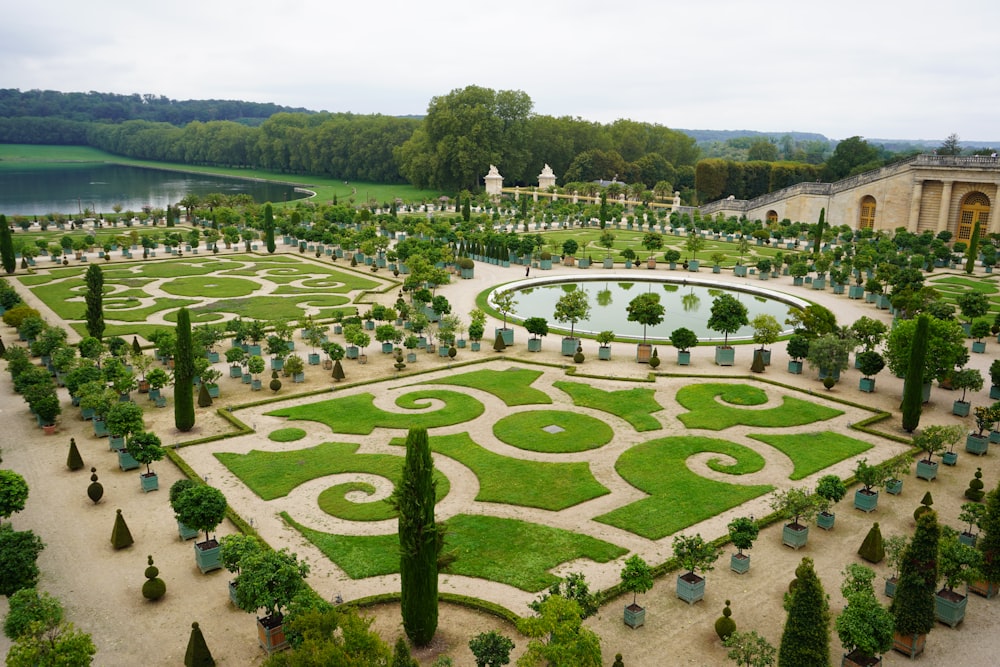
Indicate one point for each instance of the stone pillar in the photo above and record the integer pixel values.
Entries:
(945, 205)
(918, 191)
(494, 182)
(534, 194)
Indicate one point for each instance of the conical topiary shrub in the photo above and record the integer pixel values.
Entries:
(96, 490)
(975, 491)
(338, 371)
(154, 588)
(121, 536)
(654, 360)
(725, 625)
(873, 549)
(925, 505)
(197, 654)
(499, 345)
(204, 399)
(74, 461)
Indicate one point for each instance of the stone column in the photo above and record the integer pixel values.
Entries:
(918, 190)
(945, 205)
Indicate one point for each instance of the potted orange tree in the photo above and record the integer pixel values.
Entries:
(202, 508)
(637, 577)
(693, 554)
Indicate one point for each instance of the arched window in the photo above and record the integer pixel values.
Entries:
(866, 217)
(975, 208)
(772, 216)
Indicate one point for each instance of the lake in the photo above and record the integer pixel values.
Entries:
(38, 189)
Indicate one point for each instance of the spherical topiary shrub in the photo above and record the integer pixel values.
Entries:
(618, 661)
(975, 490)
(725, 625)
(154, 588)
(828, 382)
(96, 490)
(286, 434)
(275, 384)
(578, 357)
(925, 505)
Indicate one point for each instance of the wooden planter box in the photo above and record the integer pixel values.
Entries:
(987, 589)
(927, 470)
(725, 356)
(643, 352)
(865, 501)
(910, 645)
(206, 555)
(739, 563)
(949, 607)
(271, 634)
(977, 444)
(690, 587)
(794, 537)
(635, 616)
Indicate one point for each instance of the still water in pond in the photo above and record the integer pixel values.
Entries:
(686, 305)
(97, 187)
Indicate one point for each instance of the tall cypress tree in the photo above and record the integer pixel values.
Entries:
(184, 374)
(913, 604)
(973, 252)
(419, 540)
(818, 241)
(95, 301)
(269, 227)
(806, 638)
(7, 258)
(913, 385)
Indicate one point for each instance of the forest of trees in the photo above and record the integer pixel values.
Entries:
(449, 149)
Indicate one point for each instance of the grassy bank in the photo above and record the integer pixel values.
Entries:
(21, 155)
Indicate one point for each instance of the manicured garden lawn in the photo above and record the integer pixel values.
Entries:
(215, 286)
(508, 551)
(506, 480)
(633, 405)
(707, 413)
(274, 474)
(569, 431)
(333, 500)
(512, 386)
(358, 415)
(678, 497)
(286, 434)
(811, 452)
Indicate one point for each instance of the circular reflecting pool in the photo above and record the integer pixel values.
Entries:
(687, 303)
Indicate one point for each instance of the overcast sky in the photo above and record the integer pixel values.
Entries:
(874, 68)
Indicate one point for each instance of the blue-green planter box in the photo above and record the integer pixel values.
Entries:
(968, 539)
(690, 587)
(213, 390)
(825, 520)
(949, 607)
(865, 501)
(995, 392)
(795, 367)
(995, 437)
(609, 263)
(569, 346)
(206, 555)
(247, 378)
(213, 357)
(100, 427)
(508, 336)
(314, 359)
(927, 470)
(725, 356)
(890, 586)
(894, 487)
(949, 458)
(867, 385)
(149, 482)
(235, 371)
(534, 345)
(635, 616)
(87, 413)
(683, 358)
(277, 364)
(960, 408)
(740, 270)
(386, 348)
(979, 347)
(739, 563)
(443, 351)
(855, 292)
(794, 537)
(116, 443)
(604, 353)
(255, 385)
(185, 533)
(125, 460)
(976, 444)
